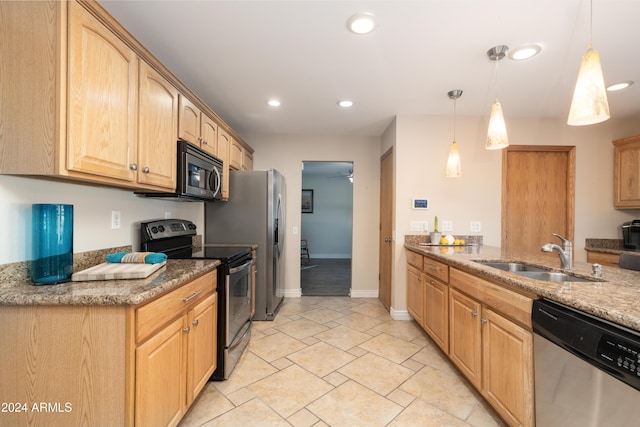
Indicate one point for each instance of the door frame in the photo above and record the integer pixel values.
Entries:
(385, 263)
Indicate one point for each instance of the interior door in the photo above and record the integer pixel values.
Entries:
(386, 228)
(538, 193)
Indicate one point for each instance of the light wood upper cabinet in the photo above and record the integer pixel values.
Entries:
(626, 173)
(158, 123)
(197, 128)
(224, 145)
(236, 155)
(102, 99)
(247, 161)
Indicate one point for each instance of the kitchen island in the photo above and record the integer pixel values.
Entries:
(104, 353)
(480, 316)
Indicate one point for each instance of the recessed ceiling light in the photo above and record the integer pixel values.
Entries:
(361, 23)
(273, 103)
(525, 52)
(345, 103)
(619, 86)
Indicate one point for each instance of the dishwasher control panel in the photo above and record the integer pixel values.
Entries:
(616, 352)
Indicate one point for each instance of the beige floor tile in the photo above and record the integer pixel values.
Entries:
(484, 416)
(335, 379)
(275, 346)
(253, 413)
(373, 310)
(343, 337)
(432, 356)
(290, 390)
(321, 358)
(401, 329)
(444, 391)
(301, 329)
(392, 348)
(354, 405)
(420, 413)
(303, 418)
(412, 364)
(322, 315)
(249, 369)
(401, 398)
(282, 363)
(209, 405)
(376, 373)
(310, 340)
(241, 396)
(359, 322)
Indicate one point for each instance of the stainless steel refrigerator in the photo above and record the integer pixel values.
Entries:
(254, 214)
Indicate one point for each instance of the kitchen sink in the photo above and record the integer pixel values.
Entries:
(511, 266)
(535, 272)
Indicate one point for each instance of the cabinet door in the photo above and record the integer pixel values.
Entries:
(209, 133)
(236, 153)
(247, 162)
(436, 312)
(161, 376)
(202, 345)
(189, 121)
(102, 99)
(465, 345)
(224, 145)
(626, 172)
(415, 294)
(158, 122)
(508, 368)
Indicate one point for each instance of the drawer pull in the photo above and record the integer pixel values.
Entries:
(186, 330)
(195, 322)
(483, 321)
(195, 294)
(474, 314)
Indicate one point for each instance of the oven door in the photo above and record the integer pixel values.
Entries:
(238, 329)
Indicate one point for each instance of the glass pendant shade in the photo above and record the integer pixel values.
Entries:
(454, 169)
(589, 104)
(497, 133)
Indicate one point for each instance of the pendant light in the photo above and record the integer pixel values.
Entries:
(497, 133)
(453, 162)
(589, 104)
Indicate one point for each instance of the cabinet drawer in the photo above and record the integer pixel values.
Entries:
(436, 269)
(511, 304)
(152, 316)
(414, 259)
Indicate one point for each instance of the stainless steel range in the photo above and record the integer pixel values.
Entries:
(174, 238)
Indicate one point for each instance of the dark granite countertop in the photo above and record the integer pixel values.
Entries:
(107, 292)
(614, 297)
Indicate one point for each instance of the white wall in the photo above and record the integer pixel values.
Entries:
(329, 228)
(421, 148)
(286, 154)
(92, 214)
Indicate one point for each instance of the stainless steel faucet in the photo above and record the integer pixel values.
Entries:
(565, 252)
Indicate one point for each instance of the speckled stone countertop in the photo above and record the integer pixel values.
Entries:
(614, 297)
(607, 246)
(107, 292)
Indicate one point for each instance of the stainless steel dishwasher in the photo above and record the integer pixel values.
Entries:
(587, 370)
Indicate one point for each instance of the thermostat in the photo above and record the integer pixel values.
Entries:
(420, 204)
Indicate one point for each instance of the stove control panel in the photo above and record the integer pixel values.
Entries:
(166, 228)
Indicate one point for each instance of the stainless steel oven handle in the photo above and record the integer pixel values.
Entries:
(240, 268)
(218, 181)
(195, 294)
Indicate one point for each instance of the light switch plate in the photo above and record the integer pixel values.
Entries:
(476, 226)
(447, 226)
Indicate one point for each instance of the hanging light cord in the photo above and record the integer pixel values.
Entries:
(590, 23)
(497, 79)
(454, 119)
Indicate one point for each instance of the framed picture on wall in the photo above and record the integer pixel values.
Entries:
(307, 201)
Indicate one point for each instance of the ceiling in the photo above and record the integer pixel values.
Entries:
(237, 54)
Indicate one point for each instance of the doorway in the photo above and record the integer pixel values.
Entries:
(326, 228)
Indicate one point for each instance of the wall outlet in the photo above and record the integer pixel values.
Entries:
(418, 226)
(115, 220)
(447, 226)
(476, 226)
(294, 230)
(167, 215)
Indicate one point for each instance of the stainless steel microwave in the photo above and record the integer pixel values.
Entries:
(199, 176)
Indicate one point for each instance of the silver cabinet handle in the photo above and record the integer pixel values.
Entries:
(195, 294)
(133, 167)
(145, 169)
(483, 321)
(186, 330)
(195, 322)
(474, 314)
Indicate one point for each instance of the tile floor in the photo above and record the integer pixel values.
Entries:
(338, 361)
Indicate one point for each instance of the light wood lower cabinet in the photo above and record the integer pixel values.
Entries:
(484, 328)
(104, 365)
(610, 260)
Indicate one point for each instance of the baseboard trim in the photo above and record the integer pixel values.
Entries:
(293, 293)
(355, 293)
(399, 314)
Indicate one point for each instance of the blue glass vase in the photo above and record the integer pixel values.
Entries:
(52, 243)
